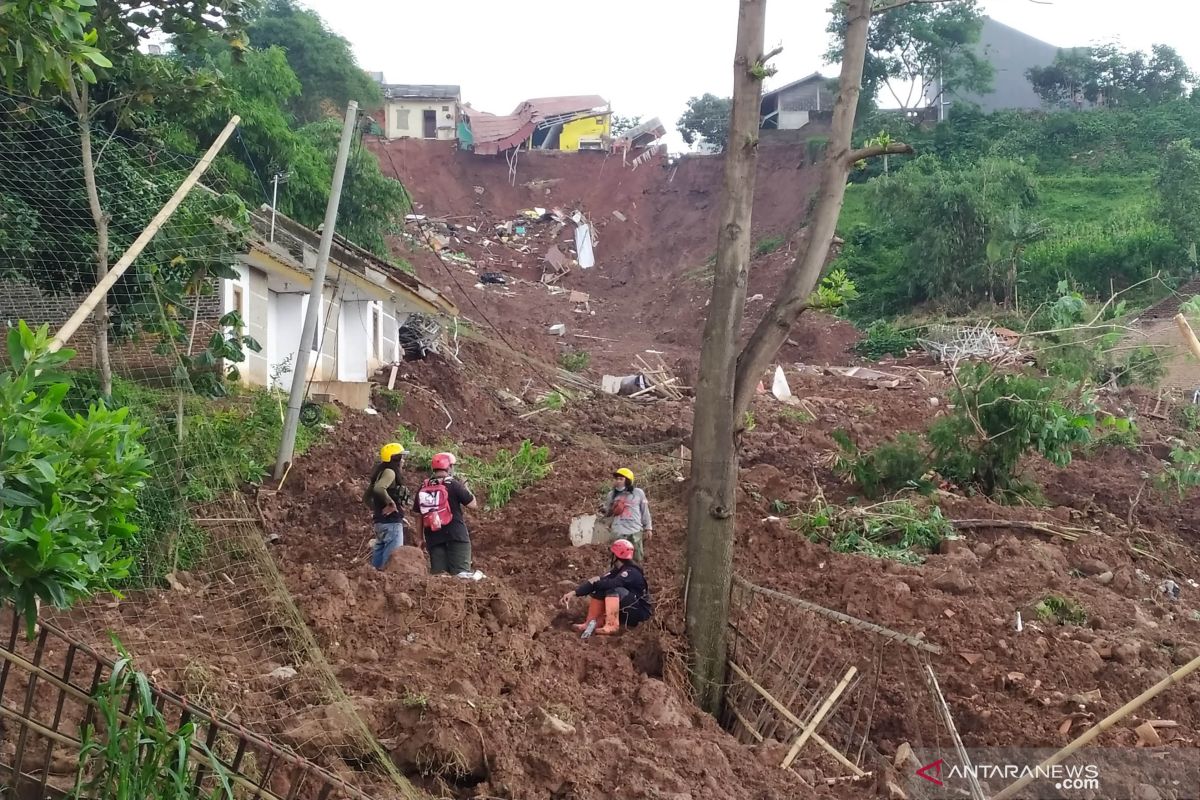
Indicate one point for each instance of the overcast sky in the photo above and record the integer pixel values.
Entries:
(649, 56)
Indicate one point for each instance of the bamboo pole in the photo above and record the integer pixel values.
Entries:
(1189, 337)
(799, 723)
(972, 779)
(819, 717)
(920, 644)
(117, 270)
(1101, 726)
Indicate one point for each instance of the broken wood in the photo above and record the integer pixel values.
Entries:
(1068, 533)
(1189, 336)
(392, 378)
(651, 388)
(1101, 726)
(819, 717)
(593, 338)
(792, 718)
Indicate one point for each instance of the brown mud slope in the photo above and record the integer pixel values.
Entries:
(651, 281)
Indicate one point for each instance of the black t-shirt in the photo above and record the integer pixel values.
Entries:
(458, 496)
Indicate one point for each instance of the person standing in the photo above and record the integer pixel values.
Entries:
(387, 496)
(629, 512)
(443, 529)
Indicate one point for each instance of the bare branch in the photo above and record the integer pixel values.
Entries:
(771, 55)
(901, 3)
(893, 149)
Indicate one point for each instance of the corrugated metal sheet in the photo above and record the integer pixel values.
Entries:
(495, 134)
(422, 90)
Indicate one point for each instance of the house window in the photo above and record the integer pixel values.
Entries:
(445, 108)
(401, 119)
(237, 302)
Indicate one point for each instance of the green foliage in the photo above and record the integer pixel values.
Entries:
(706, 120)
(797, 415)
(834, 291)
(893, 466)
(749, 423)
(575, 360)
(1107, 75)
(1117, 432)
(884, 339)
(555, 401)
(998, 419)
(68, 483)
(132, 753)
(389, 400)
(909, 46)
(620, 123)
(1062, 610)
(47, 41)
(1189, 417)
(1183, 473)
(498, 480)
(1178, 189)
(322, 60)
(896, 530)
(769, 245)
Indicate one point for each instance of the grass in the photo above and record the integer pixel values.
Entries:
(797, 415)
(389, 400)
(139, 755)
(575, 360)
(498, 480)
(768, 245)
(896, 530)
(1064, 611)
(749, 422)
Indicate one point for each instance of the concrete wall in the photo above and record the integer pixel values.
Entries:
(1011, 54)
(404, 118)
(583, 128)
(250, 289)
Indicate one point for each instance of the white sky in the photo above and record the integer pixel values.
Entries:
(649, 56)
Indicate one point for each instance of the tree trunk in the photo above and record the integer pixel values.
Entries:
(712, 500)
(806, 270)
(100, 220)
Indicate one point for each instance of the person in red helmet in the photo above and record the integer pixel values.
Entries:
(621, 597)
(442, 529)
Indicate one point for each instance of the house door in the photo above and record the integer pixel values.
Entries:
(430, 118)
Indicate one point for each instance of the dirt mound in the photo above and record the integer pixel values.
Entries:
(656, 229)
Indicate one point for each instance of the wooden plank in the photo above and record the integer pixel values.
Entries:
(819, 717)
(799, 723)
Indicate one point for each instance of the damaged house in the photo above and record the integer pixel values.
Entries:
(582, 122)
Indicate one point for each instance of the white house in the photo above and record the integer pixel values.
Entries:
(421, 111)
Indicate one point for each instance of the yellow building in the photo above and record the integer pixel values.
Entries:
(585, 133)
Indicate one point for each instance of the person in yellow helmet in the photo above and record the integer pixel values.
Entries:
(387, 497)
(629, 512)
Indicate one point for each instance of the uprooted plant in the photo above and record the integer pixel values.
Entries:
(497, 479)
(996, 419)
(897, 530)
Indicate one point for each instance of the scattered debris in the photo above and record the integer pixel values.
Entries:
(951, 344)
(493, 277)
(282, 673)
(557, 330)
(1147, 735)
(1170, 588)
(619, 216)
(585, 240)
(781, 390)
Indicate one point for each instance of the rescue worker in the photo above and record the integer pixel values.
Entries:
(620, 597)
(386, 496)
(629, 511)
(439, 505)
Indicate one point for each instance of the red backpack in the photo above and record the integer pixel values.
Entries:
(433, 501)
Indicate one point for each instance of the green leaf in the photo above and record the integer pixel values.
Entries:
(13, 497)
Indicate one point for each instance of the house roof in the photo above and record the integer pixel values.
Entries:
(646, 132)
(291, 237)
(422, 90)
(794, 84)
(1169, 306)
(495, 134)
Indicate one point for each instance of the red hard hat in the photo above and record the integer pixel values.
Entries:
(622, 549)
(442, 461)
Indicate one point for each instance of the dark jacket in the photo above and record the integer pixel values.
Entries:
(636, 603)
(396, 492)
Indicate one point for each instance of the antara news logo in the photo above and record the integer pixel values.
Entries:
(1075, 776)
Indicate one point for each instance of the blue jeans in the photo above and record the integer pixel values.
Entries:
(389, 536)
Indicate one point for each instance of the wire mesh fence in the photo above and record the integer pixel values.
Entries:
(205, 611)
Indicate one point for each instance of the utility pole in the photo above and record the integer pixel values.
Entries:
(287, 443)
(275, 179)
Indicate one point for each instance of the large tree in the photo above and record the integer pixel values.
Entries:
(919, 52)
(323, 62)
(706, 120)
(725, 385)
(1108, 75)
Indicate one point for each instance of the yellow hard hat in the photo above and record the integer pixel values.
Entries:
(390, 451)
(624, 472)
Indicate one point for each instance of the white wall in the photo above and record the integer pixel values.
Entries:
(354, 340)
(285, 321)
(404, 118)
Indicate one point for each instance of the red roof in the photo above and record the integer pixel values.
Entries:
(495, 134)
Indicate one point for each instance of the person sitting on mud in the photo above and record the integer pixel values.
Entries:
(443, 530)
(621, 597)
(627, 507)
(386, 496)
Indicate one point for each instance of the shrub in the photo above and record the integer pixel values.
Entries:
(1183, 472)
(1062, 610)
(884, 339)
(999, 418)
(892, 466)
(768, 245)
(389, 399)
(1117, 432)
(895, 530)
(575, 360)
(497, 480)
(68, 483)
